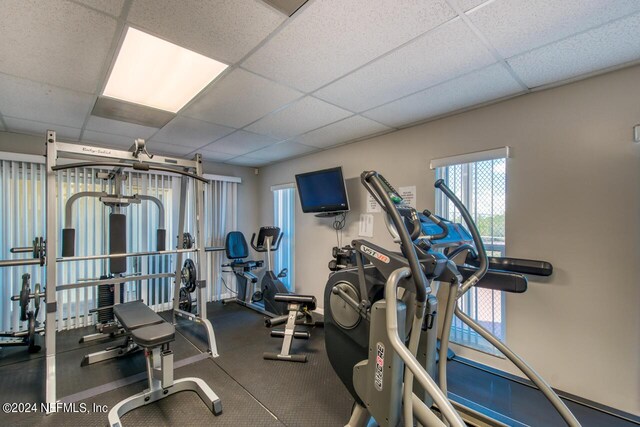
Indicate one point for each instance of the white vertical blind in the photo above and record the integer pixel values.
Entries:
(22, 217)
(221, 217)
(284, 217)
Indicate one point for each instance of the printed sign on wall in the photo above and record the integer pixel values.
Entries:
(372, 205)
(366, 225)
(409, 195)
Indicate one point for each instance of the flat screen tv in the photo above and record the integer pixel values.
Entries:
(323, 191)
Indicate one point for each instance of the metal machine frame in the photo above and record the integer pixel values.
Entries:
(140, 160)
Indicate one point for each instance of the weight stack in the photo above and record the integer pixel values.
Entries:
(105, 299)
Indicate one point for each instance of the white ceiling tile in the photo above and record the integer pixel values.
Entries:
(240, 98)
(215, 156)
(491, 83)
(221, 29)
(248, 161)
(108, 140)
(342, 131)
(444, 53)
(156, 147)
(116, 127)
(38, 128)
(241, 142)
(470, 4)
(282, 150)
(55, 42)
(303, 116)
(29, 100)
(190, 132)
(516, 26)
(332, 37)
(112, 7)
(606, 46)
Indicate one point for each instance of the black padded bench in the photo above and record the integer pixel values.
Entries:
(151, 332)
(300, 308)
(146, 327)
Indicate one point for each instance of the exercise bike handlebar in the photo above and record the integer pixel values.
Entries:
(274, 247)
(420, 281)
(473, 229)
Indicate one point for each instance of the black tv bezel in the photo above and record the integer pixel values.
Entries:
(320, 209)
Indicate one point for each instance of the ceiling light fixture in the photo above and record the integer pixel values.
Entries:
(153, 72)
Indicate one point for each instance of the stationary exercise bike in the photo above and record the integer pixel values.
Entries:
(269, 238)
(237, 250)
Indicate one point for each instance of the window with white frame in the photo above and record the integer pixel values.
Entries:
(284, 197)
(481, 185)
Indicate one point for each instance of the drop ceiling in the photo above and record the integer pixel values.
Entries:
(336, 71)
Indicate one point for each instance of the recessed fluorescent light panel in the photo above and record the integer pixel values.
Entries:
(153, 72)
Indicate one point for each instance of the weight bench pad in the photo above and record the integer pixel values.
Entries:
(154, 335)
(308, 301)
(136, 314)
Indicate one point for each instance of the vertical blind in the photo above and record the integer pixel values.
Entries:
(284, 217)
(22, 217)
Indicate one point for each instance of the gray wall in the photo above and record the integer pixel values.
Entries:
(247, 207)
(572, 199)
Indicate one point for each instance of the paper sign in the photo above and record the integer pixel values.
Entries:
(366, 225)
(372, 205)
(409, 195)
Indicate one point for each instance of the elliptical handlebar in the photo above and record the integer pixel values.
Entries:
(473, 229)
(437, 221)
(373, 183)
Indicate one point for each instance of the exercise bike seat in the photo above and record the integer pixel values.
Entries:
(308, 301)
(235, 246)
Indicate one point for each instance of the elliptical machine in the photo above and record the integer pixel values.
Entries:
(381, 319)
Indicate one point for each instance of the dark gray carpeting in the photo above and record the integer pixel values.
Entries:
(254, 391)
(182, 409)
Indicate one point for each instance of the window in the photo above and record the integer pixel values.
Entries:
(284, 217)
(481, 186)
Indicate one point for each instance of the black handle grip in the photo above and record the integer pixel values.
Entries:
(419, 279)
(253, 238)
(437, 221)
(275, 248)
(477, 240)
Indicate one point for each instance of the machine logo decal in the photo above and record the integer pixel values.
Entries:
(379, 366)
(96, 150)
(377, 255)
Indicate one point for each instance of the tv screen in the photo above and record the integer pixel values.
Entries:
(322, 191)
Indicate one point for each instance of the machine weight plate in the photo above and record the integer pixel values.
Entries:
(24, 296)
(185, 302)
(187, 241)
(36, 299)
(31, 338)
(189, 275)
